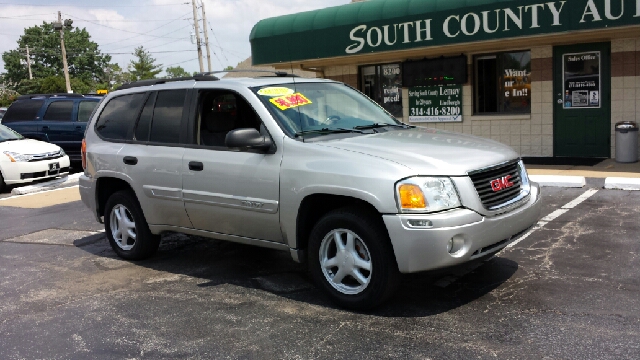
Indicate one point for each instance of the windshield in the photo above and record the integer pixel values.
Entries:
(302, 108)
(7, 134)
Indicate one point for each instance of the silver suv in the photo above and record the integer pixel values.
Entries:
(312, 167)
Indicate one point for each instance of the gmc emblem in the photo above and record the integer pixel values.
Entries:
(502, 183)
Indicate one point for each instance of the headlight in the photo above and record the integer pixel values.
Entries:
(426, 194)
(62, 153)
(16, 157)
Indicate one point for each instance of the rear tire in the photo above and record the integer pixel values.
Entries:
(127, 228)
(352, 260)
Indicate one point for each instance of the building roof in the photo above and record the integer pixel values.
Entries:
(390, 25)
(246, 65)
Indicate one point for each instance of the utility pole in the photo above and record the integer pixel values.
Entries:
(206, 37)
(195, 21)
(29, 63)
(67, 23)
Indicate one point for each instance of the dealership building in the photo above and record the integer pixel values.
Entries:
(547, 78)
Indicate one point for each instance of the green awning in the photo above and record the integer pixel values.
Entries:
(390, 25)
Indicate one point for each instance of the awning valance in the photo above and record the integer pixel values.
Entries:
(390, 25)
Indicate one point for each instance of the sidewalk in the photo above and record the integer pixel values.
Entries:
(615, 175)
(607, 168)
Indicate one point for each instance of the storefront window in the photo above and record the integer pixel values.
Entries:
(383, 84)
(503, 83)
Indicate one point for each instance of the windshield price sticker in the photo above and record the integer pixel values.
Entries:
(275, 91)
(290, 101)
(439, 103)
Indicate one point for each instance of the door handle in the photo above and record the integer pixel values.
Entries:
(196, 166)
(130, 160)
(78, 127)
(45, 128)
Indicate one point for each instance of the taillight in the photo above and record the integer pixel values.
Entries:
(83, 150)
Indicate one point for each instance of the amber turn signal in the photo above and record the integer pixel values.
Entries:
(411, 197)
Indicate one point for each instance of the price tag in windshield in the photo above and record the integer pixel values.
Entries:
(290, 101)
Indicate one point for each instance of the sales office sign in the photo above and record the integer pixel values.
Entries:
(487, 22)
(440, 103)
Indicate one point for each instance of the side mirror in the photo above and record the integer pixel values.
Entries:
(247, 138)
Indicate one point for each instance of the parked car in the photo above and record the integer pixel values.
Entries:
(60, 119)
(26, 160)
(2, 111)
(312, 167)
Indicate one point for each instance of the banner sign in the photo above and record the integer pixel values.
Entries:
(581, 83)
(439, 103)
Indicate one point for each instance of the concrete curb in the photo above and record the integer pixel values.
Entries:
(49, 185)
(559, 181)
(621, 183)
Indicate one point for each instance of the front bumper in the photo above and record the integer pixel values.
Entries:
(425, 248)
(26, 172)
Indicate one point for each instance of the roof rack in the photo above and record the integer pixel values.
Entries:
(276, 73)
(197, 77)
(46, 96)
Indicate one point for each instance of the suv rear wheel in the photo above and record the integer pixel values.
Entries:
(351, 258)
(127, 229)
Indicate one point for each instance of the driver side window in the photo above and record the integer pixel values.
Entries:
(221, 112)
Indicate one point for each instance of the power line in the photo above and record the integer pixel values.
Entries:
(110, 27)
(173, 31)
(96, 6)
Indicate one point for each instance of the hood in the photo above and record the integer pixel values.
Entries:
(429, 151)
(28, 146)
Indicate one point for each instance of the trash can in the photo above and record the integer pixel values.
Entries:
(626, 142)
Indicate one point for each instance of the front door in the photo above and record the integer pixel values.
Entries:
(582, 101)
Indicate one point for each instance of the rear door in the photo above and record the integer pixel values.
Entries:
(57, 125)
(153, 160)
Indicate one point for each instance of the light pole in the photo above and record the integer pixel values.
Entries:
(61, 26)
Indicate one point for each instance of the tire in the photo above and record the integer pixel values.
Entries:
(3, 186)
(369, 248)
(123, 212)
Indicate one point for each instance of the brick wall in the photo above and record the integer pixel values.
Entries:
(625, 84)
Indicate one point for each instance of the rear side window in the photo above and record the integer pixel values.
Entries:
(119, 116)
(59, 111)
(142, 130)
(85, 108)
(22, 110)
(167, 115)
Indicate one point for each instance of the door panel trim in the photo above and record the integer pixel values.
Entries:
(230, 201)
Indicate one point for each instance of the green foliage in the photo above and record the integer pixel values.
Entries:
(85, 60)
(229, 67)
(144, 67)
(113, 77)
(176, 72)
(56, 84)
(7, 96)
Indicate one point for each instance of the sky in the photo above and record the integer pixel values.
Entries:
(164, 27)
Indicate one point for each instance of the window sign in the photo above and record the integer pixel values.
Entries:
(439, 103)
(503, 83)
(383, 84)
(581, 80)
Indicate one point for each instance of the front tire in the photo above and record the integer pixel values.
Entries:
(127, 228)
(351, 259)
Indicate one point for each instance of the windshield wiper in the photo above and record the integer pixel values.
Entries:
(376, 125)
(325, 131)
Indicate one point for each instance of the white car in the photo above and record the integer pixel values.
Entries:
(25, 160)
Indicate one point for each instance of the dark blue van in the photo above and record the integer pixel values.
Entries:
(60, 119)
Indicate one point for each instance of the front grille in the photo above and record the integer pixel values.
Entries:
(46, 156)
(494, 199)
(34, 175)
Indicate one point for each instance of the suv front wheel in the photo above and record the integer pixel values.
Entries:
(127, 229)
(351, 258)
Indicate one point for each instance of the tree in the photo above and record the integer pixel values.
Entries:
(144, 67)
(85, 60)
(176, 72)
(229, 67)
(113, 77)
(56, 84)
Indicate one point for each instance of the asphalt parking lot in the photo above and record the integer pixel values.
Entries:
(569, 290)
